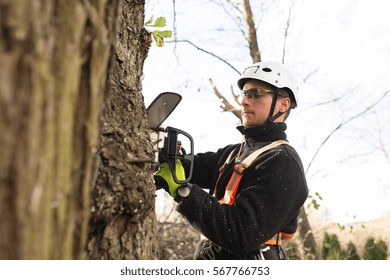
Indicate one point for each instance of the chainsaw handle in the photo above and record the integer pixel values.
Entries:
(170, 147)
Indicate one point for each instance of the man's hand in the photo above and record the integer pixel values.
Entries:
(163, 177)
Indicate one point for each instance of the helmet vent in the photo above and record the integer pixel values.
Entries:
(266, 69)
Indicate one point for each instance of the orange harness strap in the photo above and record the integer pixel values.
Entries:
(239, 167)
(277, 238)
(232, 186)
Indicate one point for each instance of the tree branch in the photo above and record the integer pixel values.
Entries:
(227, 107)
(235, 96)
(236, 19)
(174, 26)
(381, 144)
(343, 124)
(286, 34)
(252, 36)
(207, 52)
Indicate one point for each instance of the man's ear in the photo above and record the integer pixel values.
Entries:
(284, 105)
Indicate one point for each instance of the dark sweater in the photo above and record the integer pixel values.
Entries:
(269, 196)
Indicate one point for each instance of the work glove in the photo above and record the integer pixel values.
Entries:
(163, 177)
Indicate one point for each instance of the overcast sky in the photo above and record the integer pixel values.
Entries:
(347, 46)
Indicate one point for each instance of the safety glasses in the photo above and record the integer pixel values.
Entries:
(255, 93)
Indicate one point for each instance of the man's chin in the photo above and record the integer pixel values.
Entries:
(250, 124)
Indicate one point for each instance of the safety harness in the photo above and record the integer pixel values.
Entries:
(232, 186)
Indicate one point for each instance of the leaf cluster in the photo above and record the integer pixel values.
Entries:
(314, 201)
(158, 34)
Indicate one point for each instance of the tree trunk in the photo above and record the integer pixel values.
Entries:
(56, 57)
(123, 224)
(251, 36)
(310, 249)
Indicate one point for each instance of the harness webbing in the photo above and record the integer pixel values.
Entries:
(277, 238)
(232, 186)
(239, 168)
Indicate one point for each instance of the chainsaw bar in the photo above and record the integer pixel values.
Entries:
(161, 107)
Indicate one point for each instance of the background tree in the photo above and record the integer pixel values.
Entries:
(61, 63)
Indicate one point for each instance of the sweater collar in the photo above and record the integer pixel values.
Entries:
(264, 133)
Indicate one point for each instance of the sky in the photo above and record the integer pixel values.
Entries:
(344, 45)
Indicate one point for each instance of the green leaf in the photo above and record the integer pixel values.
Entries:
(149, 22)
(318, 195)
(159, 40)
(160, 22)
(158, 35)
(315, 204)
(163, 33)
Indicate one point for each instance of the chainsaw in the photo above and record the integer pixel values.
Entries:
(165, 140)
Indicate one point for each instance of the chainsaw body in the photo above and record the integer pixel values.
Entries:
(166, 140)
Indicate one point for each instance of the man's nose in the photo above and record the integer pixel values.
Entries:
(245, 101)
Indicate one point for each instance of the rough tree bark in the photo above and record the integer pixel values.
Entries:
(56, 57)
(123, 224)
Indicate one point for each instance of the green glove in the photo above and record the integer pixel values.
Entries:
(165, 173)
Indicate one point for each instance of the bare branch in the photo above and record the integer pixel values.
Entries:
(312, 106)
(227, 107)
(235, 6)
(234, 18)
(381, 144)
(329, 101)
(333, 100)
(343, 124)
(341, 161)
(207, 52)
(174, 25)
(252, 36)
(235, 96)
(286, 33)
(309, 75)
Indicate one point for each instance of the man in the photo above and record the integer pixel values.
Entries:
(256, 188)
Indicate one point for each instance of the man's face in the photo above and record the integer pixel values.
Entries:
(256, 111)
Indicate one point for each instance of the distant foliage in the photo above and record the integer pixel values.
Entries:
(178, 241)
(375, 250)
(314, 200)
(331, 249)
(352, 253)
(292, 250)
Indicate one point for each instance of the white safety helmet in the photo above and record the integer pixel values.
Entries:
(273, 73)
